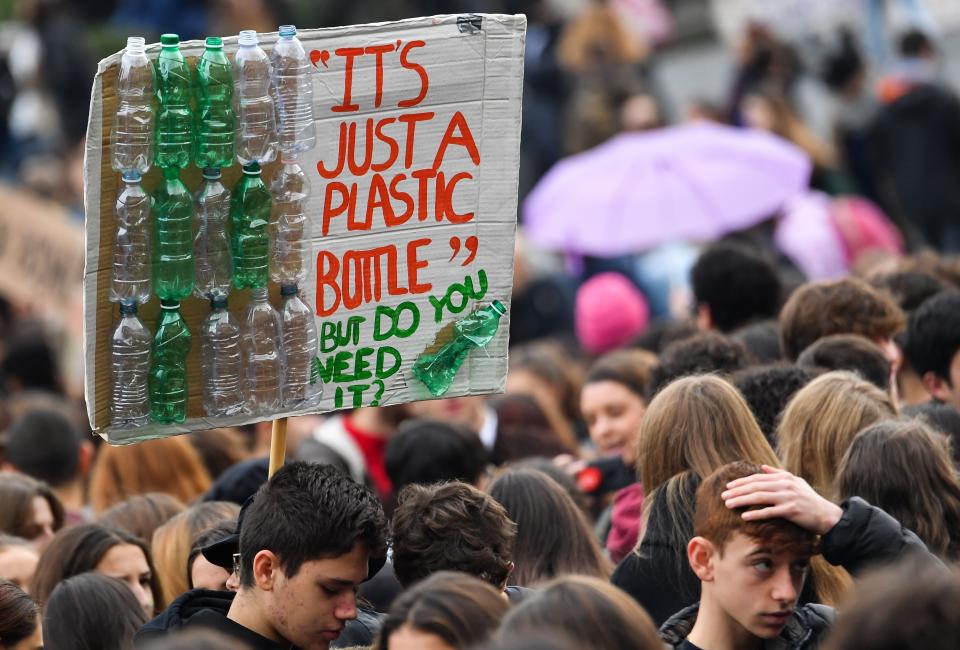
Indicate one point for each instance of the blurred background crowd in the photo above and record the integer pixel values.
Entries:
(768, 191)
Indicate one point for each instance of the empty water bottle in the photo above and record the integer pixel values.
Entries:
(249, 218)
(130, 357)
(211, 245)
(133, 123)
(257, 126)
(131, 254)
(222, 363)
(168, 366)
(299, 350)
(173, 238)
(262, 363)
(216, 123)
(174, 116)
(293, 86)
(290, 249)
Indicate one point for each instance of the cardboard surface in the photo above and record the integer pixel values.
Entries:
(412, 227)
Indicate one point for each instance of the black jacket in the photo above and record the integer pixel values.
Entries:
(203, 608)
(803, 631)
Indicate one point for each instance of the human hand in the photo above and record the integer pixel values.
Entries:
(784, 495)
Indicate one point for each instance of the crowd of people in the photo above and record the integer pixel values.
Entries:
(758, 456)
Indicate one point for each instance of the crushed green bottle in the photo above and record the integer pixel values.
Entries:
(173, 275)
(438, 370)
(249, 240)
(168, 366)
(174, 123)
(216, 121)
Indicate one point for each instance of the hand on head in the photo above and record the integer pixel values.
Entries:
(783, 495)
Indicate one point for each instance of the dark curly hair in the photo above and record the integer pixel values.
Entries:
(451, 527)
(736, 283)
(845, 306)
(933, 336)
(702, 354)
(768, 389)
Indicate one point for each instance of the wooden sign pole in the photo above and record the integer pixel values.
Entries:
(278, 445)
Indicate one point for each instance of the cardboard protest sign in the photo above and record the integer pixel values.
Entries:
(413, 209)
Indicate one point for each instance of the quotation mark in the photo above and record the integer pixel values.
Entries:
(319, 55)
(471, 243)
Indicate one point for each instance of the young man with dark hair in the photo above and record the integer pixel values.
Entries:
(756, 529)
(849, 352)
(768, 389)
(734, 285)
(308, 539)
(933, 346)
(845, 306)
(451, 527)
(706, 352)
(425, 451)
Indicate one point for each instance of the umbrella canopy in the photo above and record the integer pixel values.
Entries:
(693, 182)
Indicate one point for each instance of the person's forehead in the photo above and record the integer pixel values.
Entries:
(742, 544)
(347, 568)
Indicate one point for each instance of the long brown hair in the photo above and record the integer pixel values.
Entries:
(168, 465)
(905, 468)
(697, 423)
(553, 537)
(19, 615)
(821, 421)
(17, 492)
(588, 610)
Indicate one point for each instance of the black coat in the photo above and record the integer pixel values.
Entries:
(207, 609)
(804, 631)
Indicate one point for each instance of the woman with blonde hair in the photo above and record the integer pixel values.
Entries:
(904, 467)
(169, 465)
(693, 426)
(173, 541)
(822, 420)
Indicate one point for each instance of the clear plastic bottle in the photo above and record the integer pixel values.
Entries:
(211, 245)
(257, 125)
(130, 358)
(260, 344)
(293, 85)
(290, 249)
(249, 240)
(173, 238)
(216, 122)
(168, 366)
(174, 145)
(299, 350)
(133, 123)
(131, 254)
(222, 363)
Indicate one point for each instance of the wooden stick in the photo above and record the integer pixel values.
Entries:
(278, 445)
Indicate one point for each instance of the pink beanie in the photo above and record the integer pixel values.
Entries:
(610, 312)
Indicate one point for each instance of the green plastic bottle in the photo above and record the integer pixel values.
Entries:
(168, 366)
(249, 241)
(172, 238)
(438, 370)
(216, 122)
(174, 123)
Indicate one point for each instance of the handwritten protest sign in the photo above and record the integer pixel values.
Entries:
(413, 210)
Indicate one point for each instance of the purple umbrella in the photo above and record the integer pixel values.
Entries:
(693, 182)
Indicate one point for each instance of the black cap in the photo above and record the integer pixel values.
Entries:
(288, 289)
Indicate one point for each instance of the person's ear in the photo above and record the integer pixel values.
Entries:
(938, 387)
(265, 567)
(85, 455)
(704, 318)
(510, 567)
(700, 554)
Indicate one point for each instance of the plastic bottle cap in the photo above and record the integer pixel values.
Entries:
(131, 176)
(169, 39)
(498, 307)
(288, 31)
(213, 173)
(128, 307)
(248, 37)
(288, 289)
(253, 169)
(171, 173)
(213, 41)
(218, 301)
(259, 293)
(169, 304)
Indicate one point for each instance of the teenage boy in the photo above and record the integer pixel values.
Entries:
(307, 541)
(933, 346)
(756, 531)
